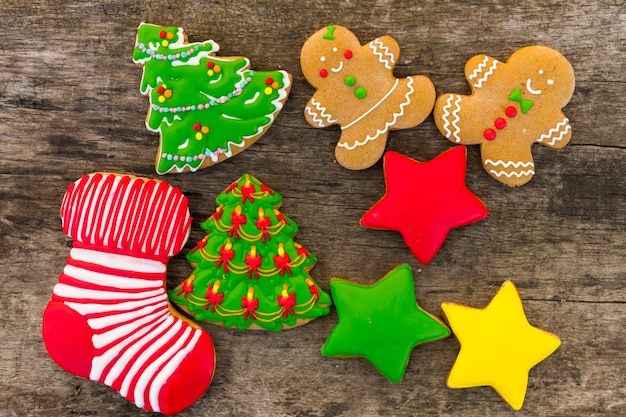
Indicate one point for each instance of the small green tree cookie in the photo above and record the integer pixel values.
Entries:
(206, 108)
(249, 272)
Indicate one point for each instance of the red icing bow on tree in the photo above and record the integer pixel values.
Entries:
(250, 304)
(247, 190)
(254, 262)
(226, 255)
(187, 287)
(313, 288)
(237, 219)
(218, 212)
(301, 250)
(282, 260)
(213, 297)
(262, 223)
(287, 301)
(281, 217)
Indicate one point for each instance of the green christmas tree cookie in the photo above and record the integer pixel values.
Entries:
(206, 108)
(249, 272)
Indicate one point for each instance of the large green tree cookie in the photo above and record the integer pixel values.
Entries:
(206, 108)
(249, 272)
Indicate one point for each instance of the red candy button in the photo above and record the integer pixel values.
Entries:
(510, 111)
(323, 73)
(489, 134)
(348, 54)
(500, 123)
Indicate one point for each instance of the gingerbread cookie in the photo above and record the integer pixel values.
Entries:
(249, 272)
(498, 345)
(206, 108)
(357, 90)
(109, 319)
(512, 106)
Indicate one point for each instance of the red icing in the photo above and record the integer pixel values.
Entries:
(348, 54)
(489, 134)
(323, 73)
(510, 111)
(110, 214)
(287, 303)
(500, 123)
(425, 200)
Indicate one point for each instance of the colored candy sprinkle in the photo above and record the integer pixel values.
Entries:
(500, 123)
(510, 111)
(360, 92)
(323, 73)
(350, 80)
(348, 54)
(489, 134)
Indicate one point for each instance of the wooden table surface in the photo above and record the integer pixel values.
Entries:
(70, 104)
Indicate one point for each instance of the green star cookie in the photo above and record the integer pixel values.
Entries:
(381, 323)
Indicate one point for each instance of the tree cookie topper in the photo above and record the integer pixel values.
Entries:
(512, 106)
(249, 272)
(357, 90)
(206, 108)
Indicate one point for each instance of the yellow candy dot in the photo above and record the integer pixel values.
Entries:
(204, 129)
(169, 36)
(217, 68)
(161, 99)
(275, 85)
(198, 135)
(165, 43)
(168, 93)
(210, 73)
(268, 90)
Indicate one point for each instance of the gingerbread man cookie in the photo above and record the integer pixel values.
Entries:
(357, 90)
(512, 106)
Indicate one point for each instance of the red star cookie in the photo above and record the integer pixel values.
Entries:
(425, 200)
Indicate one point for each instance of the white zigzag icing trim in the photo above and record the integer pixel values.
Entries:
(379, 132)
(556, 129)
(509, 163)
(479, 68)
(512, 174)
(490, 71)
(322, 113)
(455, 114)
(384, 57)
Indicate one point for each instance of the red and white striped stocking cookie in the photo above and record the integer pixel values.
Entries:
(109, 319)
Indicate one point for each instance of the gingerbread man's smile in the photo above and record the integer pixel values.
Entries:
(338, 68)
(530, 89)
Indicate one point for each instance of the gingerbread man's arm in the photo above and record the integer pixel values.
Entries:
(558, 135)
(479, 69)
(317, 113)
(386, 50)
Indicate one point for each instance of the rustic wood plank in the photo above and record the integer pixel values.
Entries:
(70, 104)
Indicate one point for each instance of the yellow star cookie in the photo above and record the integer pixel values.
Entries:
(498, 345)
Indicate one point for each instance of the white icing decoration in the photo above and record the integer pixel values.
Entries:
(321, 112)
(550, 81)
(385, 57)
(487, 74)
(563, 126)
(530, 89)
(217, 80)
(338, 68)
(509, 163)
(169, 369)
(396, 115)
(323, 58)
(479, 68)
(455, 120)
(253, 99)
(110, 320)
(512, 174)
(107, 280)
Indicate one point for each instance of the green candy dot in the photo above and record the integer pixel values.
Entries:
(360, 92)
(350, 80)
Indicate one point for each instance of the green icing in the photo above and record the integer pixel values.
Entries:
(234, 283)
(218, 93)
(381, 323)
(330, 33)
(525, 105)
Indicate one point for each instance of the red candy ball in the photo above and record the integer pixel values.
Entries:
(348, 54)
(269, 81)
(323, 73)
(197, 126)
(161, 90)
(210, 64)
(489, 134)
(162, 34)
(500, 123)
(510, 111)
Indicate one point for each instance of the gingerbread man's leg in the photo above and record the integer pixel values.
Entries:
(511, 167)
(363, 153)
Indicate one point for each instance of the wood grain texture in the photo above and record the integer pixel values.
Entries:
(70, 104)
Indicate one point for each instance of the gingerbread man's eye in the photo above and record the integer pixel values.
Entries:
(540, 72)
(323, 59)
(550, 81)
(335, 49)
(348, 54)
